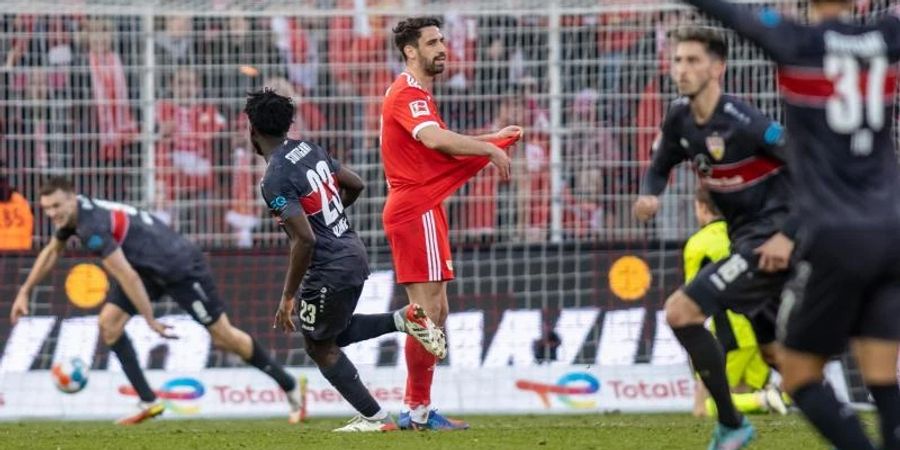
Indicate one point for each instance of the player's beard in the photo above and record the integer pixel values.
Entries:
(434, 67)
(699, 90)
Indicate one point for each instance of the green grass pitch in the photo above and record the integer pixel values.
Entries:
(614, 431)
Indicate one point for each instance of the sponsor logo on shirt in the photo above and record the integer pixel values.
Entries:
(278, 203)
(419, 108)
(95, 242)
(737, 114)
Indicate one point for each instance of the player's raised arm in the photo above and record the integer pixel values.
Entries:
(44, 263)
(131, 283)
(766, 27)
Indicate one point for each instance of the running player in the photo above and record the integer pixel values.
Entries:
(839, 81)
(748, 373)
(425, 163)
(148, 260)
(735, 150)
(308, 191)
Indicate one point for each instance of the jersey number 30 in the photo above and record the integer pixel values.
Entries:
(849, 106)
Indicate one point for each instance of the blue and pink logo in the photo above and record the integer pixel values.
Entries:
(568, 387)
(177, 394)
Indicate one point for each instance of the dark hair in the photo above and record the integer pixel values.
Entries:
(269, 113)
(704, 198)
(711, 38)
(54, 184)
(409, 30)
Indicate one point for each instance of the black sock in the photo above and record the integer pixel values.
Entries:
(887, 399)
(343, 376)
(125, 352)
(366, 326)
(261, 360)
(709, 362)
(836, 421)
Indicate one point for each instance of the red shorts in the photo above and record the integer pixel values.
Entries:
(421, 248)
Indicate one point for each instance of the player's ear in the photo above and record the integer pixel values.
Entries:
(719, 67)
(410, 51)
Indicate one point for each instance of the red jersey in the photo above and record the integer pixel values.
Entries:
(419, 178)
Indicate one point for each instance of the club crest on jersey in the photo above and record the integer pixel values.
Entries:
(419, 108)
(716, 146)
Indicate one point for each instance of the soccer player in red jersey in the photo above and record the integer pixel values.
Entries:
(425, 163)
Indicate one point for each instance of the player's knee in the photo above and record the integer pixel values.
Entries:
(434, 311)
(110, 331)
(323, 354)
(798, 371)
(681, 311)
(226, 339)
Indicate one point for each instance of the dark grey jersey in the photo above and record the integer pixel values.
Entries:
(738, 157)
(154, 249)
(300, 179)
(839, 83)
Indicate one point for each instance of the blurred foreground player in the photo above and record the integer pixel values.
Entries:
(839, 81)
(148, 260)
(425, 163)
(308, 191)
(736, 151)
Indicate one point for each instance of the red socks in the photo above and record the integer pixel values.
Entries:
(420, 372)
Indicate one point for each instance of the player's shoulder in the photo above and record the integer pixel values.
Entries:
(90, 216)
(711, 239)
(739, 110)
(681, 105)
(679, 109)
(406, 85)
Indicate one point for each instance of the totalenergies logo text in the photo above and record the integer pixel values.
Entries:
(568, 386)
(174, 393)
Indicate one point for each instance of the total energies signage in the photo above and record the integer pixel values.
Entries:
(615, 388)
(245, 392)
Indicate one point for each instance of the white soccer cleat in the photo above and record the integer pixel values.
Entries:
(417, 324)
(774, 400)
(297, 401)
(360, 424)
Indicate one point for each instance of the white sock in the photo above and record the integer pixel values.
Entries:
(419, 414)
(398, 320)
(380, 415)
(293, 395)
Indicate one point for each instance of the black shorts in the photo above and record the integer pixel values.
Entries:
(196, 295)
(847, 284)
(736, 283)
(324, 313)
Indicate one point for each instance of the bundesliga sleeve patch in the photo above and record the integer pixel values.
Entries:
(419, 108)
